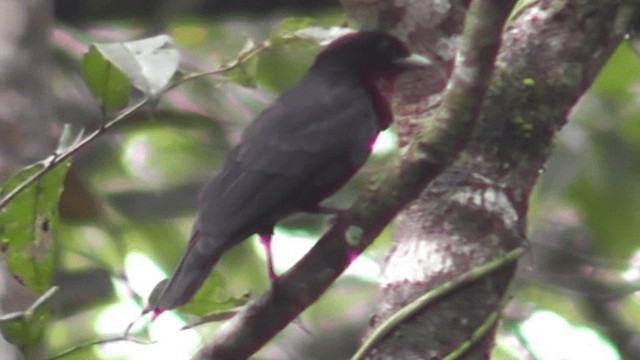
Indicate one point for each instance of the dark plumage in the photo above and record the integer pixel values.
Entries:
(297, 152)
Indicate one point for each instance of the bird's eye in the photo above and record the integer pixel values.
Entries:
(385, 46)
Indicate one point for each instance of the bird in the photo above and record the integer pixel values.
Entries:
(298, 151)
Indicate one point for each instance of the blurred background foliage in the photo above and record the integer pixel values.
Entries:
(128, 200)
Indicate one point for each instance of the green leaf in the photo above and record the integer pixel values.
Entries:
(106, 82)
(148, 63)
(26, 225)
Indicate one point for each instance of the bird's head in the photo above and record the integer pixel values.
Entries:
(372, 59)
(369, 51)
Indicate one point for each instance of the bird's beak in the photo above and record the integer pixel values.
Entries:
(413, 61)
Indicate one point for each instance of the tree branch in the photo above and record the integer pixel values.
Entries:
(442, 138)
(57, 159)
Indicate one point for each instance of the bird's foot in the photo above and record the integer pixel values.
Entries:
(265, 239)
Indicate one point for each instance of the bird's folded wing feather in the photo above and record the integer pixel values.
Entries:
(289, 144)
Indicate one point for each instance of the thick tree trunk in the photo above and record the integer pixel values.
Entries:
(477, 210)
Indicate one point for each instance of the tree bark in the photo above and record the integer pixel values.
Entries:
(477, 209)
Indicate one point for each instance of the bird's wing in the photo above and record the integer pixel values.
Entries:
(305, 134)
(306, 123)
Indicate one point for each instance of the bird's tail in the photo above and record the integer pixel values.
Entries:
(191, 272)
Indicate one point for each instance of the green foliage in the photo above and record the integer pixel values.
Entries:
(590, 192)
(604, 189)
(610, 211)
(27, 225)
(154, 155)
(26, 329)
(284, 57)
(620, 75)
(29, 215)
(26, 332)
(148, 64)
(27, 228)
(107, 83)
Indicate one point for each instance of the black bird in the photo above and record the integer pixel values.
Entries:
(296, 153)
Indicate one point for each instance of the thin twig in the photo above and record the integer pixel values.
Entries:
(36, 304)
(57, 159)
(240, 59)
(107, 340)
